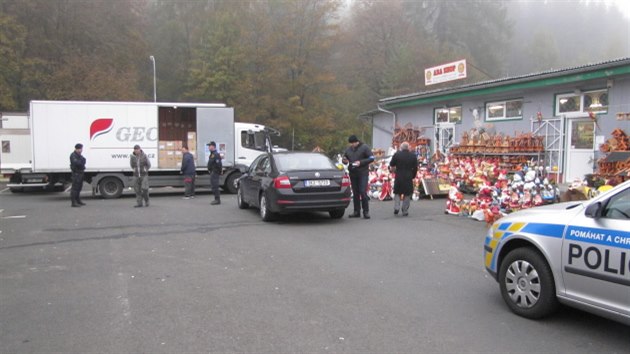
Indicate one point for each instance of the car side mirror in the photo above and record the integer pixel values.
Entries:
(594, 210)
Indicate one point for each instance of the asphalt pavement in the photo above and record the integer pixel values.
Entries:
(184, 276)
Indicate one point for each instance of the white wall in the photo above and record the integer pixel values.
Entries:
(15, 136)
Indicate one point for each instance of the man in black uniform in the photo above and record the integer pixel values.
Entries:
(358, 157)
(77, 166)
(215, 167)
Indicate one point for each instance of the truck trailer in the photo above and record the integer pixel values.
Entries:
(109, 130)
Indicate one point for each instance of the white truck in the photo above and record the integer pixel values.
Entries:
(109, 130)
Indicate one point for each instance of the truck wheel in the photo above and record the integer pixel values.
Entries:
(230, 186)
(527, 284)
(110, 187)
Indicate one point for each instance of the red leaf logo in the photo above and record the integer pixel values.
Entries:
(101, 126)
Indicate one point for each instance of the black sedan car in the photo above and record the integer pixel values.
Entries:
(286, 182)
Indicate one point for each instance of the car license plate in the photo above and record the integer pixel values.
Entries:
(317, 183)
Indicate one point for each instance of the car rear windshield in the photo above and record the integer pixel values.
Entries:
(306, 161)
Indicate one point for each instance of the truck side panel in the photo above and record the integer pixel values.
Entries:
(108, 132)
(215, 124)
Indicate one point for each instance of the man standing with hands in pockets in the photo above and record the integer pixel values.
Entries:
(77, 166)
(215, 168)
(358, 157)
(140, 164)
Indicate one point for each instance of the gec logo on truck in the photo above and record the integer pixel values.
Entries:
(102, 126)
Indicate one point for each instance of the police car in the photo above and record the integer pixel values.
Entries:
(575, 253)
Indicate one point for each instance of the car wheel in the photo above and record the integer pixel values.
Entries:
(337, 213)
(527, 284)
(239, 198)
(265, 213)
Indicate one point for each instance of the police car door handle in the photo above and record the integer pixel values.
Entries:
(242, 157)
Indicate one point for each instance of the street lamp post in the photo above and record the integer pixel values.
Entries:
(154, 86)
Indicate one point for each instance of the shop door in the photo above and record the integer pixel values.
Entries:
(580, 148)
(444, 137)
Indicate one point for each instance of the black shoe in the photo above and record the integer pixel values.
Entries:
(366, 215)
(215, 202)
(405, 213)
(396, 211)
(356, 214)
(80, 203)
(76, 206)
(138, 206)
(146, 203)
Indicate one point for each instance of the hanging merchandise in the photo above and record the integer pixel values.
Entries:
(615, 166)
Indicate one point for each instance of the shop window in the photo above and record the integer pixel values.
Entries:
(504, 110)
(448, 115)
(596, 101)
(591, 101)
(6, 146)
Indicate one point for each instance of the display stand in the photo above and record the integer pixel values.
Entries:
(435, 186)
(509, 160)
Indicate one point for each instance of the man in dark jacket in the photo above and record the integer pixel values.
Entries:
(358, 157)
(188, 171)
(77, 166)
(140, 164)
(215, 168)
(405, 164)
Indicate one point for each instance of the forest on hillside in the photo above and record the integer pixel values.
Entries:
(306, 67)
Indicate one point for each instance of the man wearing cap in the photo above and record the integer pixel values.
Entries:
(77, 166)
(358, 157)
(215, 168)
(140, 164)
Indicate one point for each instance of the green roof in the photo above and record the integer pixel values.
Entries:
(607, 69)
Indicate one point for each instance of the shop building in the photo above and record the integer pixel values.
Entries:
(573, 110)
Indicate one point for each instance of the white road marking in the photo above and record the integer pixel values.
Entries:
(14, 217)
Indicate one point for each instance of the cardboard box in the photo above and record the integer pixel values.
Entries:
(192, 141)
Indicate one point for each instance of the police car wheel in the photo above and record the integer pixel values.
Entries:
(527, 284)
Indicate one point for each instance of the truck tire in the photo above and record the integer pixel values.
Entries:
(230, 187)
(110, 187)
